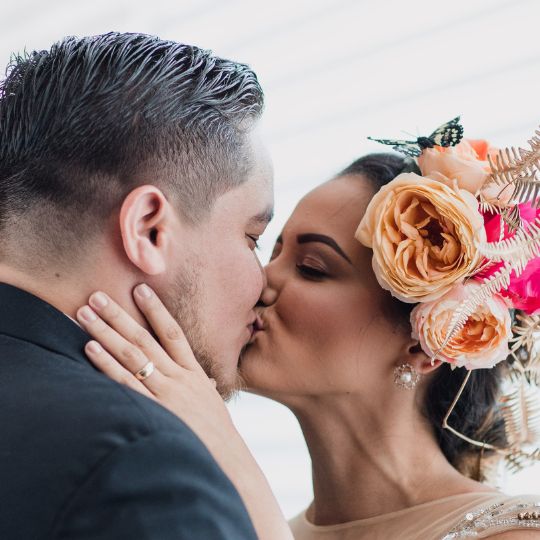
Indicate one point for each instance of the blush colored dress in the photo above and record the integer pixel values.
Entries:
(469, 515)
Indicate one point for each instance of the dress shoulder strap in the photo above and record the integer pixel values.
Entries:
(513, 513)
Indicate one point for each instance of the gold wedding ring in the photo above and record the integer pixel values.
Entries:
(145, 372)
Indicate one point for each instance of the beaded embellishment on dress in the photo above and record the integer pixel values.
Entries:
(498, 517)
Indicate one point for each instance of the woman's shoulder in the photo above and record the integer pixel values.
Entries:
(503, 518)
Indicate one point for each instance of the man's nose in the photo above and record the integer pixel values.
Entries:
(263, 274)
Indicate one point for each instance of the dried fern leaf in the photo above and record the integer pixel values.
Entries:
(520, 408)
(490, 286)
(486, 265)
(511, 163)
(527, 189)
(526, 333)
(518, 460)
(485, 206)
(512, 217)
(520, 249)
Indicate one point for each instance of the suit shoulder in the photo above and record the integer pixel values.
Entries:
(106, 401)
(68, 393)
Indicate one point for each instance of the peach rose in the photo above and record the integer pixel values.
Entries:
(497, 195)
(423, 235)
(466, 163)
(481, 343)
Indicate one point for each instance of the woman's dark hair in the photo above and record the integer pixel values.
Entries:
(476, 412)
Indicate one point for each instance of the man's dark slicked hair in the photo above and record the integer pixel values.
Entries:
(85, 122)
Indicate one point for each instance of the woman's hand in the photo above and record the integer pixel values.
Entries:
(167, 371)
(122, 348)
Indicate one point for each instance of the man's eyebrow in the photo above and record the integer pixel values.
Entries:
(321, 238)
(264, 217)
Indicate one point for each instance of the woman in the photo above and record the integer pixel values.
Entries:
(332, 347)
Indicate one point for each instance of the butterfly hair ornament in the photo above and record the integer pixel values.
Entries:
(449, 134)
(461, 241)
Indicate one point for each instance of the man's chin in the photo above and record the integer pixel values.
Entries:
(230, 388)
(228, 382)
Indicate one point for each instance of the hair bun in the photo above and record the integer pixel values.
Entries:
(410, 166)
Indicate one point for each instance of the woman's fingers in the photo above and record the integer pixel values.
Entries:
(122, 336)
(113, 369)
(170, 334)
(120, 351)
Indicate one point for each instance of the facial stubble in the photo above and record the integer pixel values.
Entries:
(185, 301)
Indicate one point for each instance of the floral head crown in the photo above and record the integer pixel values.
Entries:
(462, 240)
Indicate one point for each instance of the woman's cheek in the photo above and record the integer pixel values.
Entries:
(307, 310)
(325, 316)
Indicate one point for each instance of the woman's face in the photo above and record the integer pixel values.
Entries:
(325, 332)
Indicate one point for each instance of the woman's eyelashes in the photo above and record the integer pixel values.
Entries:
(311, 267)
(310, 272)
(308, 267)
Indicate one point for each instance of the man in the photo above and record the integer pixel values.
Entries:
(123, 158)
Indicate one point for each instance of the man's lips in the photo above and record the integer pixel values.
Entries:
(255, 327)
(259, 324)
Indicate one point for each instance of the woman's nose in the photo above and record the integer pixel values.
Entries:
(270, 290)
(268, 296)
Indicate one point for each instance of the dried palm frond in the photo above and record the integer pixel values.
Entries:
(525, 367)
(492, 285)
(486, 206)
(518, 460)
(527, 189)
(519, 373)
(512, 217)
(485, 265)
(520, 408)
(526, 333)
(520, 249)
(512, 163)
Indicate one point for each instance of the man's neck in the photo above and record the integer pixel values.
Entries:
(69, 293)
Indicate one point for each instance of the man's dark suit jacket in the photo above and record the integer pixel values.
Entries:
(82, 457)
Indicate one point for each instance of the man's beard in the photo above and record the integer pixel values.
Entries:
(183, 298)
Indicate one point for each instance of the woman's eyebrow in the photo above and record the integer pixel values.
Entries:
(321, 238)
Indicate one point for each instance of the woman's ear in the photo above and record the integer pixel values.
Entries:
(416, 357)
(146, 228)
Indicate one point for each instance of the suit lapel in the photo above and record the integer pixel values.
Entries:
(27, 317)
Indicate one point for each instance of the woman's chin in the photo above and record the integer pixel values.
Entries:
(256, 371)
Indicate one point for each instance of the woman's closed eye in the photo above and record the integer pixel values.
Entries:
(311, 271)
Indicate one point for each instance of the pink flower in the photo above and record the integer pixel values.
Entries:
(524, 290)
(483, 340)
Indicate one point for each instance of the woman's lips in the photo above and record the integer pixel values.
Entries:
(258, 324)
(256, 327)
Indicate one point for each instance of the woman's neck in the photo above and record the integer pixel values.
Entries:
(368, 462)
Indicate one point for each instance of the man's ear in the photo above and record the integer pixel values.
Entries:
(414, 355)
(146, 227)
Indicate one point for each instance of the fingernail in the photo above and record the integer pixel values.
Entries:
(98, 300)
(94, 347)
(144, 291)
(87, 314)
